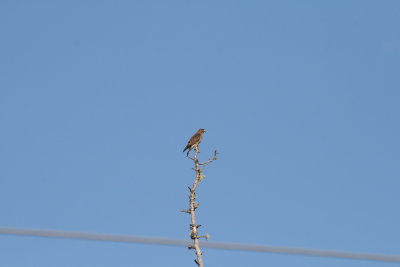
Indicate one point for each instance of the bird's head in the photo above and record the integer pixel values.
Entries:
(201, 131)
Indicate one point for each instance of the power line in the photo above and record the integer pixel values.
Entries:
(207, 244)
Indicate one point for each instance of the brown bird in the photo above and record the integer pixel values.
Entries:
(194, 141)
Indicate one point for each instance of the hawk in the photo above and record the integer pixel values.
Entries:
(194, 141)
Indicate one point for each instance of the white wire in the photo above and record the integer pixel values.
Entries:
(205, 244)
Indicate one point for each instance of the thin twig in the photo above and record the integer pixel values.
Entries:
(211, 159)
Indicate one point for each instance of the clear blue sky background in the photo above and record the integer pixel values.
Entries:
(98, 99)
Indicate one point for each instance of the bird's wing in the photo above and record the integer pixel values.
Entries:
(195, 139)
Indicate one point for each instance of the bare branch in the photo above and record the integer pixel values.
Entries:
(193, 205)
(190, 157)
(211, 159)
(187, 211)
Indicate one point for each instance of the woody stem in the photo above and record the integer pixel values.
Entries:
(194, 227)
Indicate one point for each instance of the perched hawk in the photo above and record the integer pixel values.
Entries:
(194, 141)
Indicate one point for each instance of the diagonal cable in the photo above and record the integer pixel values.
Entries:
(207, 244)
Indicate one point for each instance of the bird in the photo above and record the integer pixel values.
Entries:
(194, 141)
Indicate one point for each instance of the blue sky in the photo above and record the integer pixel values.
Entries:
(98, 99)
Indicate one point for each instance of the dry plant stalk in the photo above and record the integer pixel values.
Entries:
(194, 227)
